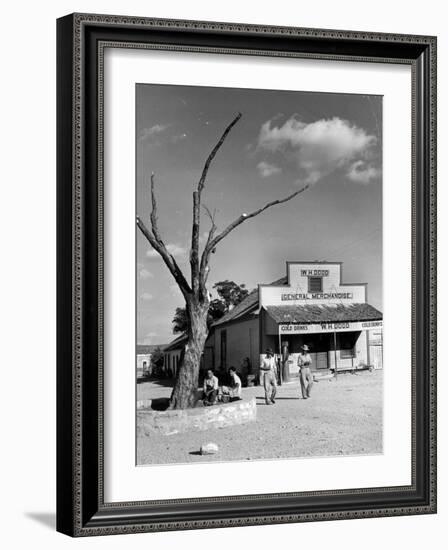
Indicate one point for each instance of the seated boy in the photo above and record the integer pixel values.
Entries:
(235, 388)
(210, 388)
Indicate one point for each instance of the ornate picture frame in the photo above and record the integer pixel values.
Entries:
(81, 42)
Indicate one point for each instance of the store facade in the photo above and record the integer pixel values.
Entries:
(310, 306)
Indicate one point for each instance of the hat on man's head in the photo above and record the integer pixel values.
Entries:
(269, 351)
(305, 347)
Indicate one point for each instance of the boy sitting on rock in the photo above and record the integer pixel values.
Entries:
(210, 389)
(232, 392)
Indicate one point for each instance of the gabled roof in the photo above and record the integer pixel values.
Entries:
(323, 313)
(176, 343)
(249, 303)
(246, 306)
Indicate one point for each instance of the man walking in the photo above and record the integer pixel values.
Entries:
(306, 378)
(268, 375)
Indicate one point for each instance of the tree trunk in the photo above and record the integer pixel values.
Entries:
(186, 384)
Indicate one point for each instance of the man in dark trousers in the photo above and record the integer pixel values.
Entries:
(306, 378)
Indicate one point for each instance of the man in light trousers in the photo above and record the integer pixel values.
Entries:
(306, 378)
(268, 375)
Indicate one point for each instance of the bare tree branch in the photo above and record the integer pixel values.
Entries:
(155, 228)
(167, 258)
(195, 293)
(214, 151)
(211, 218)
(194, 252)
(204, 269)
(157, 243)
(212, 243)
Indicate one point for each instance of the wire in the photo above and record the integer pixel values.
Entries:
(353, 243)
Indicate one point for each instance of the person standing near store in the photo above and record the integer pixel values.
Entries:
(268, 375)
(306, 378)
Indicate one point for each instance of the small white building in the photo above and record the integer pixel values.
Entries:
(144, 356)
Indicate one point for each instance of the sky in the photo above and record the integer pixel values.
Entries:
(283, 141)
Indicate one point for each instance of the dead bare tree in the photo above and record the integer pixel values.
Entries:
(195, 293)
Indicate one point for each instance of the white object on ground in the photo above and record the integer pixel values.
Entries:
(209, 449)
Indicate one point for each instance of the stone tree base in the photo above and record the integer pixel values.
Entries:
(199, 419)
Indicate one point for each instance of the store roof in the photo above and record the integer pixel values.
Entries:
(249, 303)
(243, 307)
(177, 343)
(323, 313)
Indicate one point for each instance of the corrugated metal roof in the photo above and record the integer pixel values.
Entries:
(323, 313)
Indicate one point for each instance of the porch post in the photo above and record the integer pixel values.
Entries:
(335, 356)
(280, 366)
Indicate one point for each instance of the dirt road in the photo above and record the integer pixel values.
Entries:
(342, 417)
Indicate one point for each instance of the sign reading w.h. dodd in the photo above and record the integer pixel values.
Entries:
(330, 327)
(312, 283)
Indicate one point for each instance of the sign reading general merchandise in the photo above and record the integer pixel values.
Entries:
(317, 296)
(298, 289)
(330, 327)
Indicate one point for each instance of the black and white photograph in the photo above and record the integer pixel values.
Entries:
(220, 259)
(259, 324)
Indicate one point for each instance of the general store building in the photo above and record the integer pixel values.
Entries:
(312, 305)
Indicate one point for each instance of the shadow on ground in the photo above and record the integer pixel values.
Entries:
(160, 404)
(48, 519)
(164, 382)
(261, 398)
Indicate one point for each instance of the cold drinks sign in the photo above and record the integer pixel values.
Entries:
(330, 327)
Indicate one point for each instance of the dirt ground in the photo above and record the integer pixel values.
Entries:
(342, 417)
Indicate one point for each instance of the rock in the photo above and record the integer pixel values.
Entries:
(209, 449)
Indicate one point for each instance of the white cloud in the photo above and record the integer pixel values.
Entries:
(146, 296)
(266, 170)
(174, 249)
(144, 273)
(361, 172)
(148, 134)
(156, 135)
(318, 148)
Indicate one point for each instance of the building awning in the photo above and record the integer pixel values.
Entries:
(323, 313)
(324, 318)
